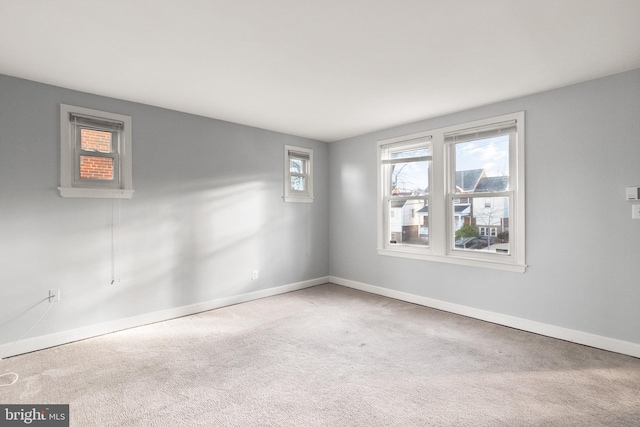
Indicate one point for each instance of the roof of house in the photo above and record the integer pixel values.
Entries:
(492, 183)
(467, 180)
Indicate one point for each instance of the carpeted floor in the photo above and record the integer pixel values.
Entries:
(329, 356)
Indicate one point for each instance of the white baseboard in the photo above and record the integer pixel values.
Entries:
(597, 341)
(65, 337)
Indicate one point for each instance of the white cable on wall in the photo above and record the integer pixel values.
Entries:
(113, 248)
(308, 248)
(115, 223)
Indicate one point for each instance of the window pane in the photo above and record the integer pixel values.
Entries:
(409, 179)
(481, 224)
(96, 140)
(93, 167)
(412, 152)
(483, 165)
(297, 183)
(408, 222)
(297, 166)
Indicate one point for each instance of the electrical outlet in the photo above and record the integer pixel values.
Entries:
(254, 275)
(635, 211)
(54, 295)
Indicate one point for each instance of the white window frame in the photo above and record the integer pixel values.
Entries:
(385, 239)
(442, 195)
(292, 195)
(121, 187)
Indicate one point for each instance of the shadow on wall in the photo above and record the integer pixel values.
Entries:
(187, 244)
(190, 244)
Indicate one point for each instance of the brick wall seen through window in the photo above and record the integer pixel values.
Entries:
(96, 167)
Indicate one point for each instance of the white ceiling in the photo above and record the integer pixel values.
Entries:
(323, 69)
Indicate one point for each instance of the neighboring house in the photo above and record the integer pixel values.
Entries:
(423, 221)
(461, 211)
(490, 215)
(408, 222)
(395, 220)
(409, 219)
(467, 181)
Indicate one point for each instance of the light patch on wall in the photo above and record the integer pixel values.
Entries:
(194, 240)
(351, 176)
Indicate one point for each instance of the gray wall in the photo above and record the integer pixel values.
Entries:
(207, 210)
(583, 248)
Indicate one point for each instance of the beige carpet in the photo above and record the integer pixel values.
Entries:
(329, 356)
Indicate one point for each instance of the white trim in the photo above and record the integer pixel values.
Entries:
(298, 199)
(442, 192)
(571, 335)
(68, 186)
(96, 193)
(291, 196)
(420, 254)
(65, 337)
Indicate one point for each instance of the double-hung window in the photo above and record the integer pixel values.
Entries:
(455, 194)
(95, 153)
(298, 174)
(406, 166)
(480, 173)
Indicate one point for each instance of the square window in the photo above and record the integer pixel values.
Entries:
(95, 151)
(473, 214)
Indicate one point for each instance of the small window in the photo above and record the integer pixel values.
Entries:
(95, 153)
(298, 174)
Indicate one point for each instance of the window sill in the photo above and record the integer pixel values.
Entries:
(96, 193)
(450, 259)
(289, 199)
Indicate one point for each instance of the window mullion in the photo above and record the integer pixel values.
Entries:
(437, 206)
(97, 154)
(455, 195)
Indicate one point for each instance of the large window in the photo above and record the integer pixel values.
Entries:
(95, 153)
(455, 194)
(406, 166)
